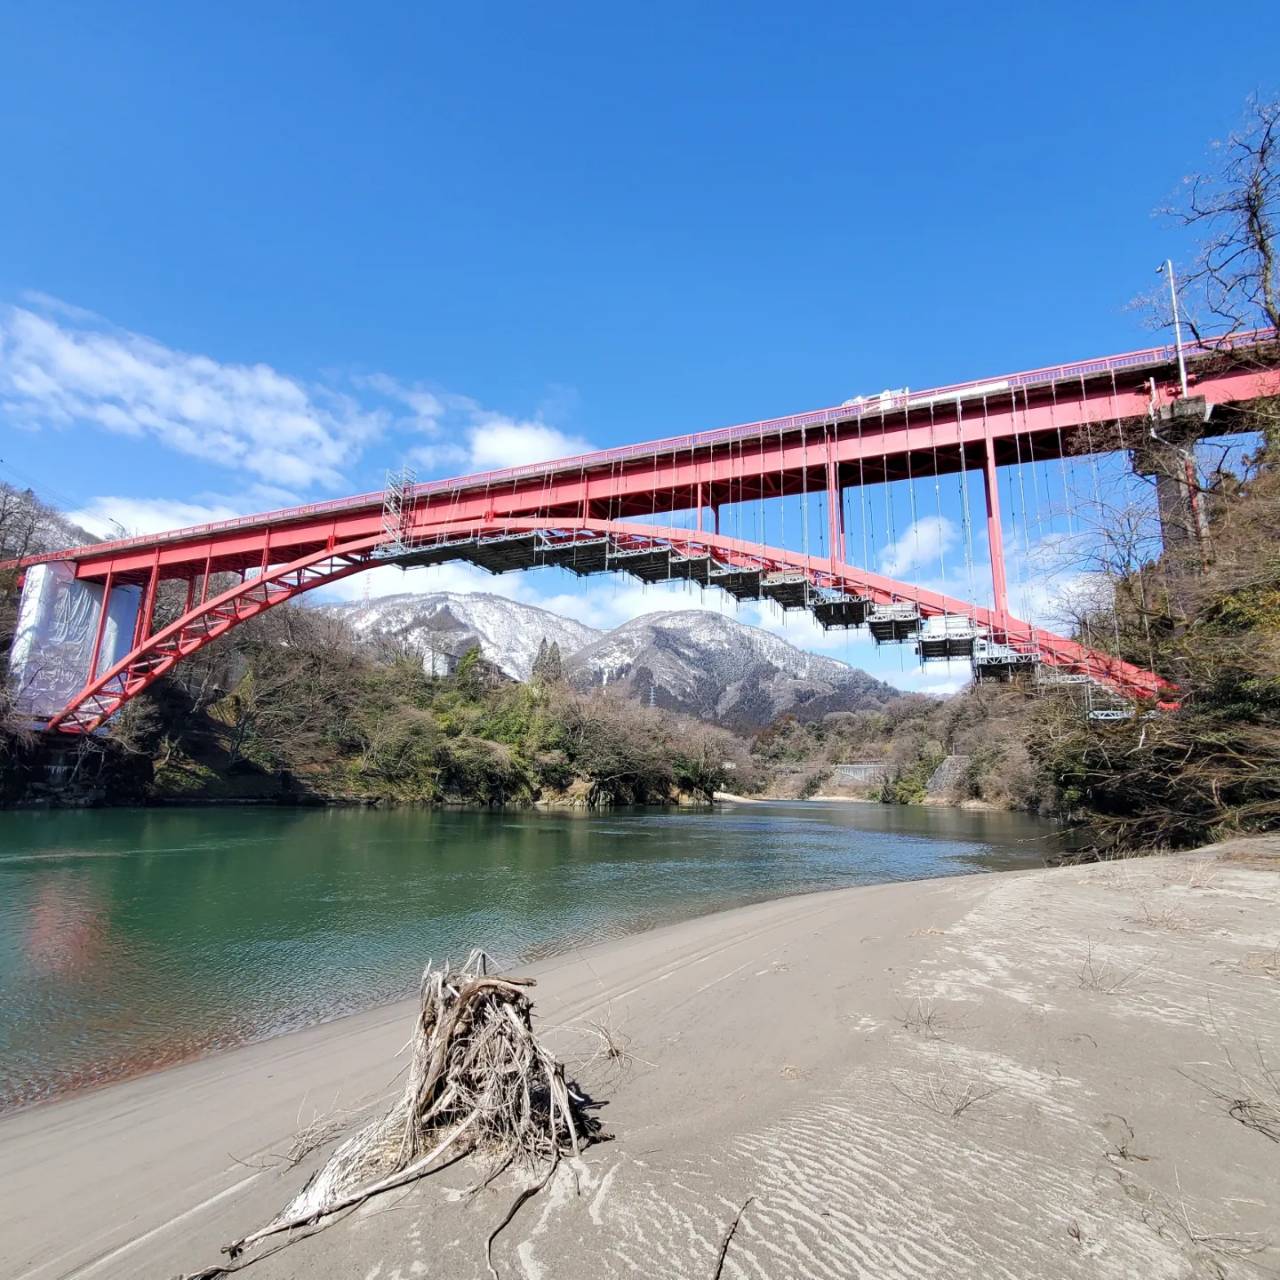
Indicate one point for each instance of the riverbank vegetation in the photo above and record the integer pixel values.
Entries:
(1202, 767)
(294, 707)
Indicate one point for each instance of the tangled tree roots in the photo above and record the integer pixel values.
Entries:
(480, 1081)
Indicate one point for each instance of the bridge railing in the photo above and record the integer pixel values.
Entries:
(872, 406)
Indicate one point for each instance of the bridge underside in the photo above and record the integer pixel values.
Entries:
(836, 595)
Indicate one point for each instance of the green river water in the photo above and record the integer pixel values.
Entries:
(130, 938)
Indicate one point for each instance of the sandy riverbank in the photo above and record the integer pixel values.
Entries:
(809, 1053)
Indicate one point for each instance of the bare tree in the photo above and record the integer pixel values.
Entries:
(1235, 281)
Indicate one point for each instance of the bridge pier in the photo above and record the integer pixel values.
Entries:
(1167, 456)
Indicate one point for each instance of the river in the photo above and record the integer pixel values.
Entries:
(133, 938)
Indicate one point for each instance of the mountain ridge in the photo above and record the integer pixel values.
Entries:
(445, 624)
(721, 670)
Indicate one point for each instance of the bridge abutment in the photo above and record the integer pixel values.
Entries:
(67, 631)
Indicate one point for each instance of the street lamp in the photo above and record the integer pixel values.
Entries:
(1167, 269)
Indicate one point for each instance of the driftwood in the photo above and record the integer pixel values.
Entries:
(479, 1082)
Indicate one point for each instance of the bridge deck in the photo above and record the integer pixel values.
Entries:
(1065, 410)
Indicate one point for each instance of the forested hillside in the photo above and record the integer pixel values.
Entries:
(293, 707)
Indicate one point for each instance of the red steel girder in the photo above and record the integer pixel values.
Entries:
(1042, 415)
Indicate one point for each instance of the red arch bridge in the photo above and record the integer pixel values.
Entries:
(87, 641)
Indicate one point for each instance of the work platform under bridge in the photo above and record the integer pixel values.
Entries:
(934, 636)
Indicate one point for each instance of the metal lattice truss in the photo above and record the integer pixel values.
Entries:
(397, 512)
(200, 626)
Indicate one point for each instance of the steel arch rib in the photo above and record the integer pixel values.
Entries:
(159, 653)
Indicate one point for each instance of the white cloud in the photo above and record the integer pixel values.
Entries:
(503, 442)
(109, 517)
(463, 434)
(939, 679)
(923, 543)
(62, 366)
(426, 406)
(58, 367)
(492, 441)
(1050, 582)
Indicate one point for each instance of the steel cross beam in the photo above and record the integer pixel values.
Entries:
(156, 654)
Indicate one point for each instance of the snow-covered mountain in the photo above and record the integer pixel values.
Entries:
(442, 624)
(716, 668)
(701, 663)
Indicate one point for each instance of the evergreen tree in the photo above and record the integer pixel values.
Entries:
(553, 671)
(548, 666)
(538, 673)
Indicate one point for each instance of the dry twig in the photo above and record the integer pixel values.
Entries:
(728, 1235)
(1249, 1091)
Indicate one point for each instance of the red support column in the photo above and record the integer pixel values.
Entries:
(835, 512)
(995, 536)
(102, 626)
(143, 629)
(699, 506)
(204, 580)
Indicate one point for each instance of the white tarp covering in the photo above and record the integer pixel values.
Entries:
(57, 623)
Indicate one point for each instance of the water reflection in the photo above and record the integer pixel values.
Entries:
(130, 938)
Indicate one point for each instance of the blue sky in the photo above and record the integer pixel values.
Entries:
(258, 253)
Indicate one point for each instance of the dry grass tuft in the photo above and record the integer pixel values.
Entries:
(923, 1017)
(1202, 873)
(947, 1092)
(608, 1056)
(1167, 918)
(1103, 976)
(1247, 1086)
